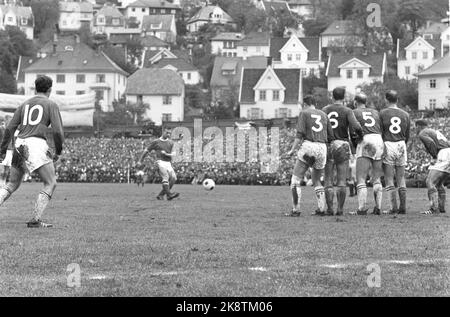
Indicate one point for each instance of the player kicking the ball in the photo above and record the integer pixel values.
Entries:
(369, 154)
(395, 126)
(163, 148)
(313, 133)
(439, 148)
(32, 152)
(341, 119)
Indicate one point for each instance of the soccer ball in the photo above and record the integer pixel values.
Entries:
(208, 184)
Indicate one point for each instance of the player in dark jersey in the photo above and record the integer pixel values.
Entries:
(32, 152)
(438, 147)
(140, 174)
(395, 126)
(369, 155)
(313, 133)
(342, 119)
(164, 153)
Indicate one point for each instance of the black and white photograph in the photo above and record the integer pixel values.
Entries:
(224, 155)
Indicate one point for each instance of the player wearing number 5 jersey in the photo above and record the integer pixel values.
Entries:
(395, 126)
(31, 152)
(341, 119)
(369, 153)
(313, 133)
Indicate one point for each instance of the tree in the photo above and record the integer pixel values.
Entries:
(137, 111)
(22, 46)
(414, 13)
(315, 27)
(46, 17)
(346, 8)
(7, 83)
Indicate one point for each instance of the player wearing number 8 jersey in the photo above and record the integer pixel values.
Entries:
(395, 126)
(369, 153)
(313, 133)
(341, 119)
(31, 152)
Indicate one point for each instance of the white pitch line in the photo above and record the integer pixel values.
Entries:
(400, 262)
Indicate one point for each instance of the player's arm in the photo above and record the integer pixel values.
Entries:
(58, 131)
(9, 132)
(300, 134)
(354, 125)
(430, 146)
(408, 129)
(146, 152)
(330, 132)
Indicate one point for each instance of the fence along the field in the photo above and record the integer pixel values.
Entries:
(76, 111)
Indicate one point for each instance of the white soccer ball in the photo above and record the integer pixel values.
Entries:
(209, 184)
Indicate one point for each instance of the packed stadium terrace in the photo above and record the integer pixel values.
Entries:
(107, 160)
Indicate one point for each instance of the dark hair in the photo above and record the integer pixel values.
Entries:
(309, 100)
(421, 123)
(361, 98)
(392, 96)
(43, 84)
(339, 93)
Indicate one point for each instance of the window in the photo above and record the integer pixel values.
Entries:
(414, 55)
(163, 11)
(143, 10)
(245, 48)
(298, 57)
(99, 95)
(116, 21)
(262, 95)
(304, 72)
(449, 83)
(276, 95)
(425, 55)
(255, 113)
(349, 74)
(133, 9)
(166, 117)
(258, 49)
(24, 21)
(60, 78)
(432, 83)
(432, 103)
(189, 76)
(360, 73)
(139, 99)
(80, 92)
(100, 78)
(407, 70)
(60, 92)
(234, 54)
(167, 100)
(101, 20)
(283, 113)
(289, 57)
(10, 19)
(81, 78)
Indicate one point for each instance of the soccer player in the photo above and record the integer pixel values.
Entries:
(32, 152)
(140, 174)
(313, 133)
(369, 155)
(341, 119)
(395, 126)
(438, 147)
(163, 148)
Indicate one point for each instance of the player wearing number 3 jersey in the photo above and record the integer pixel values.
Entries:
(395, 126)
(31, 152)
(313, 133)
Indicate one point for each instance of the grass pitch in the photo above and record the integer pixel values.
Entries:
(232, 241)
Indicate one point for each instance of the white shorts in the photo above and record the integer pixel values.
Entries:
(442, 162)
(31, 154)
(371, 147)
(8, 158)
(314, 154)
(140, 173)
(395, 153)
(166, 171)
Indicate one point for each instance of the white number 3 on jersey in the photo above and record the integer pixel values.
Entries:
(28, 115)
(317, 122)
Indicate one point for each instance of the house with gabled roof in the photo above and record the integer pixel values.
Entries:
(161, 89)
(187, 71)
(19, 16)
(270, 93)
(416, 55)
(138, 9)
(254, 44)
(151, 57)
(353, 71)
(434, 85)
(107, 20)
(75, 15)
(208, 14)
(160, 26)
(294, 52)
(341, 33)
(225, 43)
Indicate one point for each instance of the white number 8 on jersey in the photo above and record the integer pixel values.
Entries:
(395, 127)
(28, 114)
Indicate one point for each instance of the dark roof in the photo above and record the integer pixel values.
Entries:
(179, 63)
(154, 81)
(405, 43)
(342, 27)
(374, 60)
(311, 44)
(255, 39)
(228, 36)
(154, 4)
(153, 41)
(204, 14)
(164, 19)
(219, 80)
(441, 67)
(80, 59)
(290, 78)
(123, 38)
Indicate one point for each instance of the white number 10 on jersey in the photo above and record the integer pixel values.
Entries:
(28, 114)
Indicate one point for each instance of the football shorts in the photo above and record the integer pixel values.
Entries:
(314, 154)
(140, 173)
(340, 151)
(31, 153)
(395, 153)
(442, 162)
(166, 171)
(372, 147)
(8, 158)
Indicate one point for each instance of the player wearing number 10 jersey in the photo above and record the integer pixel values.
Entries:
(341, 119)
(369, 153)
(31, 152)
(395, 126)
(313, 133)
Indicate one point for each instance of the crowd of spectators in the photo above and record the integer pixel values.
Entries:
(112, 160)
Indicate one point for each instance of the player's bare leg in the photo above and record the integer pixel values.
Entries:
(298, 174)
(362, 167)
(15, 180)
(436, 191)
(389, 171)
(442, 197)
(329, 187)
(341, 193)
(319, 190)
(377, 172)
(48, 176)
(401, 184)
(172, 180)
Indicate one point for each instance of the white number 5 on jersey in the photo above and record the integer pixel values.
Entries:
(317, 121)
(28, 114)
(369, 120)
